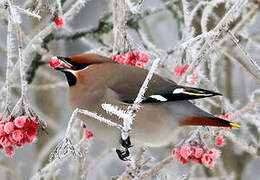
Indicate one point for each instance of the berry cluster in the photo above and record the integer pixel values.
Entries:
(179, 70)
(58, 21)
(199, 155)
(16, 132)
(133, 58)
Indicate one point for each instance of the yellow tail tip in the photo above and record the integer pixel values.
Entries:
(235, 125)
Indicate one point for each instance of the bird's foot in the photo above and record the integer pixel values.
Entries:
(126, 143)
(123, 154)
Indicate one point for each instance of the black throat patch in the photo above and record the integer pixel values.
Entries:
(72, 80)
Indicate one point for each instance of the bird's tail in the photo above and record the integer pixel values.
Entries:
(208, 121)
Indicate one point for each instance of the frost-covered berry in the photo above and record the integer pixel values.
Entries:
(185, 151)
(213, 153)
(4, 141)
(207, 160)
(17, 135)
(139, 64)
(176, 153)
(9, 151)
(143, 57)
(20, 121)
(198, 152)
(2, 131)
(9, 127)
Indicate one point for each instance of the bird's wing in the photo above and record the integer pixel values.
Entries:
(159, 89)
(178, 93)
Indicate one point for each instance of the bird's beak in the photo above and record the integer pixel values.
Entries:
(61, 63)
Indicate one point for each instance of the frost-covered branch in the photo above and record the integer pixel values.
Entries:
(245, 53)
(119, 16)
(225, 21)
(156, 168)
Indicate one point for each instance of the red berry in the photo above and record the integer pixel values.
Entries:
(183, 160)
(139, 64)
(31, 134)
(213, 153)
(59, 22)
(219, 141)
(133, 62)
(113, 57)
(22, 142)
(228, 114)
(120, 59)
(32, 123)
(11, 139)
(198, 152)
(17, 135)
(143, 57)
(178, 71)
(9, 127)
(185, 67)
(130, 55)
(2, 131)
(185, 151)
(176, 153)
(136, 54)
(20, 121)
(54, 62)
(88, 134)
(207, 161)
(4, 141)
(9, 151)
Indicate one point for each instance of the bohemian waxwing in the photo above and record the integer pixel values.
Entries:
(94, 80)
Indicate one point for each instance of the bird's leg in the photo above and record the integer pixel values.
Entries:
(123, 154)
(126, 143)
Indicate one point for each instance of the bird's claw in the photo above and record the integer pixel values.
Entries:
(123, 154)
(126, 143)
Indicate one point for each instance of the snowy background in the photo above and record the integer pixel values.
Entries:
(225, 68)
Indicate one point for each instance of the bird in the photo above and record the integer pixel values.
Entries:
(94, 80)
